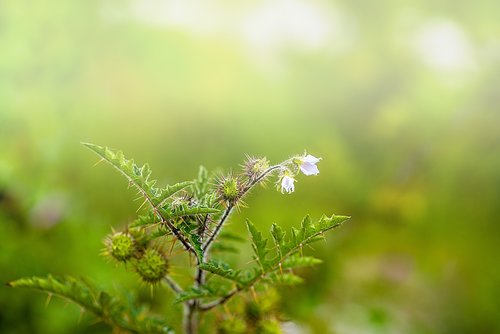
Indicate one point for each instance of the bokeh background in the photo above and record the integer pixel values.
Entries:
(399, 98)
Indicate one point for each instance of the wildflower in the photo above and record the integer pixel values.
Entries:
(308, 166)
(287, 183)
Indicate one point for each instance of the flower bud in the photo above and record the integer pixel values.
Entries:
(121, 246)
(254, 167)
(152, 266)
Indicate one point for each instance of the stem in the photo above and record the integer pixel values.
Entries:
(193, 308)
(173, 285)
(230, 207)
(190, 321)
(219, 301)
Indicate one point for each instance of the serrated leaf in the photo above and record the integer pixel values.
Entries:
(299, 261)
(283, 278)
(195, 293)
(259, 245)
(231, 237)
(143, 220)
(138, 176)
(223, 248)
(278, 236)
(186, 211)
(168, 191)
(200, 185)
(222, 269)
(110, 309)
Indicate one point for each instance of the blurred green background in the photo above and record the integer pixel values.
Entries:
(399, 98)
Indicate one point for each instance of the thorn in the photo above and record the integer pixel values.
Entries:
(254, 295)
(49, 298)
(281, 268)
(145, 201)
(82, 311)
(98, 162)
(138, 198)
(172, 247)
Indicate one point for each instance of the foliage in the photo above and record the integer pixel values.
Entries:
(192, 214)
(118, 313)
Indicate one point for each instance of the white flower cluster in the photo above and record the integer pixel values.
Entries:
(306, 164)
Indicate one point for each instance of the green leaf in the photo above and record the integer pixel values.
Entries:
(110, 309)
(223, 248)
(283, 279)
(310, 232)
(228, 236)
(138, 176)
(195, 293)
(200, 185)
(278, 236)
(295, 261)
(143, 220)
(222, 269)
(186, 211)
(168, 191)
(258, 245)
(286, 249)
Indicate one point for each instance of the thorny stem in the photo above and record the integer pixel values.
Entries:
(230, 207)
(193, 307)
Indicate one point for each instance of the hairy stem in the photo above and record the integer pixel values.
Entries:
(230, 207)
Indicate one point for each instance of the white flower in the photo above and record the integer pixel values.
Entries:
(308, 165)
(287, 184)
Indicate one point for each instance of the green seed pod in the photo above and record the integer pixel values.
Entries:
(269, 326)
(254, 167)
(121, 246)
(229, 188)
(152, 266)
(232, 325)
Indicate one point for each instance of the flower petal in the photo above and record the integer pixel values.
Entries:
(311, 159)
(309, 169)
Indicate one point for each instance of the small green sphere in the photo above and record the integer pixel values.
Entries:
(229, 188)
(269, 326)
(121, 246)
(152, 266)
(232, 326)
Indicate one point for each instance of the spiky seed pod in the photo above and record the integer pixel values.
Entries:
(254, 167)
(229, 188)
(152, 266)
(121, 246)
(253, 312)
(269, 326)
(232, 325)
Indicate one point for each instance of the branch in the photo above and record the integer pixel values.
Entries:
(173, 285)
(230, 207)
(224, 299)
(220, 301)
